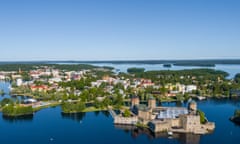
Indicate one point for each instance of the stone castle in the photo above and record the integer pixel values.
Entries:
(159, 119)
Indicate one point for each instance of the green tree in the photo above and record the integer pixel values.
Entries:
(68, 107)
(202, 116)
(237, 113)
(6, 101)
(126, 113)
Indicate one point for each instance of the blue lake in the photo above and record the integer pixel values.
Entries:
(50, 126)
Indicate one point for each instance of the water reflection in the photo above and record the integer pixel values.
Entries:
(181, 137)
(78, 117)
(25, 118)
(106, 113)
(97, 113)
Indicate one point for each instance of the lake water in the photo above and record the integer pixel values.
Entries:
(49, 126)
(231, 69)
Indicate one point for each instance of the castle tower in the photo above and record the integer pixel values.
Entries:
(151, 102)
(135, 101)
(192, 106)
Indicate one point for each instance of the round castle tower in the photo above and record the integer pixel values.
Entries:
(135, 101)
(151, 102)
(192, 106)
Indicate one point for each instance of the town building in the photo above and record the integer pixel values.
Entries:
(19, 82)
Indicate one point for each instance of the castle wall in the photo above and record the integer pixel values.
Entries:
(191, 123)
(146, 115)
(175, 122)
(125, 120)
(208, 126)
(160, 126)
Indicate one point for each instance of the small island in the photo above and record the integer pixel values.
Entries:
(236, 117)
(167, 65)
(17, 110)
(135, 70)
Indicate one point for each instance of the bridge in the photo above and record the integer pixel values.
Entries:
(234, 93)
(112, 113)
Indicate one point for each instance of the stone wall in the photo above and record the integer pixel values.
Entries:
(175, 122)
(160, 126)
(125, 120)
(146, 115)
(209, 126)
(190, 123)
(152, 103)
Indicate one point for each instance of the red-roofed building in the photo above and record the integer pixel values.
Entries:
(39, 88)
(146, 83)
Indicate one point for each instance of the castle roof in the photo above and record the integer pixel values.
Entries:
(134, 96)
(151, 98)
(192, 102)
(143, 107)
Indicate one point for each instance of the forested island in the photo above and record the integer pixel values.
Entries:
(17, 110)
(236, 117)
(135, 70)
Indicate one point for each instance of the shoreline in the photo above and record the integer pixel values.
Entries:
(93, 109)
(17, 116)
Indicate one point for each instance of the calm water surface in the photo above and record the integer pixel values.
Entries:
(49, 126)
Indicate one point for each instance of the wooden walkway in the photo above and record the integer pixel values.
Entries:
(113, 114)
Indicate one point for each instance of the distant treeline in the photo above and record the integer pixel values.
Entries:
(167, 76)
(206, 61)
(27, 67)
(135, 70)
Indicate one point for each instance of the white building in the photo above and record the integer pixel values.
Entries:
(190, 88)
(52, 80)
(2, 77)
(19, 82)
(55, 73)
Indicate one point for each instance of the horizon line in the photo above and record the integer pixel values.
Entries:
(121, 60)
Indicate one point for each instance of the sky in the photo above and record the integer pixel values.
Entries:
(119, 29)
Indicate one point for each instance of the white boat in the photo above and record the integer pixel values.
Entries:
(170, 133)
(201, 97)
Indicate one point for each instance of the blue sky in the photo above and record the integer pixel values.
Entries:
(119, 29)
